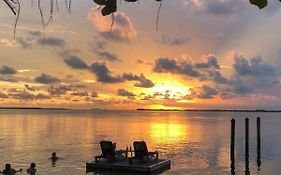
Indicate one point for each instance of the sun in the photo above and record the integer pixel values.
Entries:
(174, 89)
(167, 90)
(163, 107)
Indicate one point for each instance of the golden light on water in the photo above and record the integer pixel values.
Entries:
(168, 133)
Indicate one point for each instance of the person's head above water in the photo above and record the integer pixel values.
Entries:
(32, 165)
(54, 156)
(8, 166)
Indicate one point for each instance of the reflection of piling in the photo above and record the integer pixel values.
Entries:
(232, 143)
(258, 141)
(247, 170)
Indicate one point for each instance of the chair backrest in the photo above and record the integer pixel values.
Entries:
(140, 149)
(107, 148)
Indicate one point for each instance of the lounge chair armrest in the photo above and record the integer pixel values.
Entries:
(97, 158)
(154, 153)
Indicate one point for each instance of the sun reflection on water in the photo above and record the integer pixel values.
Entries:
(168, 133)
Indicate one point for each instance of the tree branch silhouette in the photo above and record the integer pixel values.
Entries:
(108, 7)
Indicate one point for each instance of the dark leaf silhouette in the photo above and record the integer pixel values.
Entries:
(108, 8)
(260, 3)
(100, 2)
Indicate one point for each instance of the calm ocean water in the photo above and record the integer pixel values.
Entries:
(196, 142)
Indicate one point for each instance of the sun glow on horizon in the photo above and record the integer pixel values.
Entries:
(169, 89)
(163, 107)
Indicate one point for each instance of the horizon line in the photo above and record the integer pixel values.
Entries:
(147, 109)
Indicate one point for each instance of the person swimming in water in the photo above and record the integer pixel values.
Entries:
(54, 158)
(32, 170)
(9, 170)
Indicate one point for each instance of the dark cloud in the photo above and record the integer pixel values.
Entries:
(66, 52)
(8, 79)
(35, 33)
(7, 70)
(51, 41)
(240, 87)
(141, 61)
(100, 50)
(107, 55)
(170, 65)
(94, 94)
(77, 86)
(146, 97)
(217, 77)
(60, 90)
(80, 94)
(254, 74)
(170, 41)
(41, 96)
(218, 8)
(2, 95)
(29, 40)
(125, 93)
(75, 62)
(25, 44)
(46, 79)
(30, 88)
(14, 90)
(24, 95)
(142, 80)
(145, 83)
(209, 69)
(103, 73)
(207, 92)
(254, 67)
(211, 62)
(222, 8)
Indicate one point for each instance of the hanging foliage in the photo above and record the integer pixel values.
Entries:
(108, 8)
(260, 3)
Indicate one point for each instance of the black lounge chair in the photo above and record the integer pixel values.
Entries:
(109, 152)
(142, 153)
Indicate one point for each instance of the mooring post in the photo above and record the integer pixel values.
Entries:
(247, 171)
(258, 141)
(232, 143)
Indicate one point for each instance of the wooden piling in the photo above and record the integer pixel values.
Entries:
(247, 170)
(258, 141)
(247, 136)
(232, 144)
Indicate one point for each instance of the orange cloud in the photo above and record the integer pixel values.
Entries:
(9, 43)
(122, 28)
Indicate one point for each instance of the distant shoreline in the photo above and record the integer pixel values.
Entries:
(41, 108)
(211, 110)
(144, 109)
(45, 108)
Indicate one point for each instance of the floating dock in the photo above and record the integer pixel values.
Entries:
(138, 167)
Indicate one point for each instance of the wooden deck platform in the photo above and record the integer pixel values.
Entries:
(122, 165)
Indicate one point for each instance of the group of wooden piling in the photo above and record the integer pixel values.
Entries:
(232, 145)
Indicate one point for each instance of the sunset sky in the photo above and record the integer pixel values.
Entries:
(206, 54)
